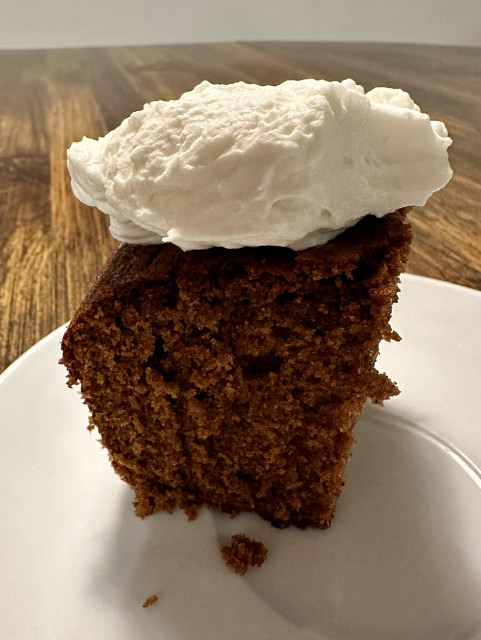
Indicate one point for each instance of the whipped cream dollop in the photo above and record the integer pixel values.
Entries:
(246, 165)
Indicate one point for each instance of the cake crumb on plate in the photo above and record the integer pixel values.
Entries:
(242, 552)
(150, 601)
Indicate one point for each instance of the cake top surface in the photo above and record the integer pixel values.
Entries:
(246, 165)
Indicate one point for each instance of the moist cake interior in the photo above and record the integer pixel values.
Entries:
(233, 377)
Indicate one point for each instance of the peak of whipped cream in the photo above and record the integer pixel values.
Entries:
(246, 165)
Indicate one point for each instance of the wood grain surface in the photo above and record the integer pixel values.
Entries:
(52, 246)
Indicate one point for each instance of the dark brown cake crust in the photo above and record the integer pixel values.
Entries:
(233, 378)
(243, 552)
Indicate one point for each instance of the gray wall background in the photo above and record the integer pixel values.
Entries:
(74, 23)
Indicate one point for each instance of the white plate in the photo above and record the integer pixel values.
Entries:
(402, 559)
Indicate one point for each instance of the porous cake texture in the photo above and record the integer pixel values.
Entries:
(233, 377)
(243, 552)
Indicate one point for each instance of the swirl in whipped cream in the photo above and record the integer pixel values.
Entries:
(246, 165)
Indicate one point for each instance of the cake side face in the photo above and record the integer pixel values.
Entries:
(233, 378)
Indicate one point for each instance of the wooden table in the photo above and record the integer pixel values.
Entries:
(52, 246)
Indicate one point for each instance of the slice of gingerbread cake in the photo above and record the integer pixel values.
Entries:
(229, 345)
